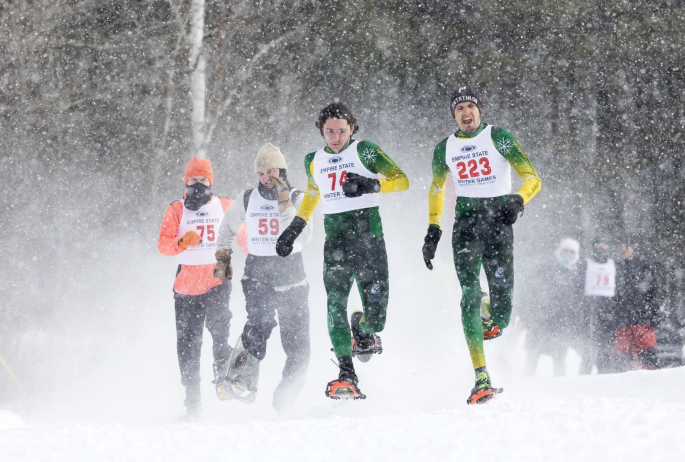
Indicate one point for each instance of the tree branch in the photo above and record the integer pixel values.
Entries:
(221, 108)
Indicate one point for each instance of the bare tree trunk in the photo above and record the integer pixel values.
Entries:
(198, 84)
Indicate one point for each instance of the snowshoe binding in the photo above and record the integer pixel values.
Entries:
(346, 385)
(243, 375)
(220, 370)
(343, 389)
(490, 329)
(363, 344)
(483, 391)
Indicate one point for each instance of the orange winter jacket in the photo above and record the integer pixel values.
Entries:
(190, 279)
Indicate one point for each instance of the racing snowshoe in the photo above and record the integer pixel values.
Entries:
(490, 329)
(220, 368)
(242, 375)
(483, 391)
(363, 344)
(346, 385)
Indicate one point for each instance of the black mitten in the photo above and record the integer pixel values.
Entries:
(511, 208)
(430, 244)
(356, 185)
(285, 242)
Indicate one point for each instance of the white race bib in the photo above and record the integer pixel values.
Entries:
(204, 222)
(478, 169)
(330, 171)
(263, 222)
(600, 278)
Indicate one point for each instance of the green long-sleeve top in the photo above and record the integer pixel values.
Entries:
(507, 146)
(340, 225)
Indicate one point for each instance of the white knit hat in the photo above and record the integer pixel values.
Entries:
(573, 246)
(268, 157)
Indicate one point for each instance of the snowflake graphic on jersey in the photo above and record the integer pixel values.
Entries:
(369, 155)
(504, 146)
(312, 193)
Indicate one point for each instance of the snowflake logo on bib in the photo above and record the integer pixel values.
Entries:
(369, 155)
(504, 146)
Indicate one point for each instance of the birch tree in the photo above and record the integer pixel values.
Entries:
(198, 83)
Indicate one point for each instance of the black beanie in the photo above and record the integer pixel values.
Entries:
(465, 94)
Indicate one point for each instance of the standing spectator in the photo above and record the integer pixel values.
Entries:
(552, 322)
(637, 311)
(189, 229)
(598, 309)
(270, 283)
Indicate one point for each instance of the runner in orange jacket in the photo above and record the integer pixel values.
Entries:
(189, 231)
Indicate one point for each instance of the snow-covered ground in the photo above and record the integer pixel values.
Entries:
(636, 416)
(115, 393)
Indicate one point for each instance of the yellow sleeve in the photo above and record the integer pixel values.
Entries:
(312, 196)
(436, 200)
(436, 194)
(531, 181)
(376, 160)
(395, 183)
(510, 149)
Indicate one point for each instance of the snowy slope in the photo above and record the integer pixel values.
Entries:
(635, 416)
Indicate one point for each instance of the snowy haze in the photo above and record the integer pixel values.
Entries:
(94, 136)
(112, 387)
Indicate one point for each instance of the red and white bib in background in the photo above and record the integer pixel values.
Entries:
(478, 169)
(263, 221)
(205, 221)
(600, 278)
(330, 171)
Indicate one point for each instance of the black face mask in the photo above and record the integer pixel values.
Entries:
(197, 195)
(600, 255)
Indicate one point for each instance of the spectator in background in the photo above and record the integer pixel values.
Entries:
(598, 309)
(552, 322)
(637, 311)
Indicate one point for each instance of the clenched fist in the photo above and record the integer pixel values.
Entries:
(189, 239)
(223, 269)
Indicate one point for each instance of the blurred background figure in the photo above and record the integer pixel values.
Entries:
(552, 319)
(670, 332)
(637, 310)
(598, 310)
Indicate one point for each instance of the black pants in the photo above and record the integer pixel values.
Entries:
(261, 303)
(193, 312)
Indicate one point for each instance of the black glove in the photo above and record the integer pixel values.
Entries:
(430, 243)
(285, 242)
(511, 208)
(356, 185)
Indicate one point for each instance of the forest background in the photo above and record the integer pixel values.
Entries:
(97, 122)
